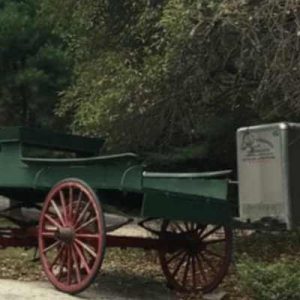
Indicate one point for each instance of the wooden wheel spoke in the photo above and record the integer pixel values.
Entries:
(193, 272)
(195, 226)
(51, 246)
(70, 203)
(69, 266)
(82, 214)
(214, 254)
(87, 235)
(87, 216)
(49, 234)
(215, 241)
(63, 262)
(187, 226)
(82, 259)
(57, 257)
(63, 204)
(176, 255)
(179, 265)
(201, 269)
(178, 227)
(208, 233)
(52, 221)
(86, 247)
(186, 270)
(78, 277)
(86, 224)
(200, 229)
(208, 263)
(58, 212)
(78, 205)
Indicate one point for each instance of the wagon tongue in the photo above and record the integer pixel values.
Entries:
(65, 234)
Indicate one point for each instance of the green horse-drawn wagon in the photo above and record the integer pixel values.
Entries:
(71, 185)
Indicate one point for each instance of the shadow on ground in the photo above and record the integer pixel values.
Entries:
(125, 286)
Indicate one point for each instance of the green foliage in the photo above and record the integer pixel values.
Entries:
(34, 65)
(276, 281)
(171, 78)
(159, 76)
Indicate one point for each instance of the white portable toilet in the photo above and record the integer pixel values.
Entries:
(269, 173)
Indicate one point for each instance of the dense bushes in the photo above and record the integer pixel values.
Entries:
(268, 265)
(270, 281)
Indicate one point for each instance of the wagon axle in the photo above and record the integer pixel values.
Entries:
(15, 237)
(163, 243)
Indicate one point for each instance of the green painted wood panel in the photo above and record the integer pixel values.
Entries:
(121, 172)
(207, 187)
(177, 206)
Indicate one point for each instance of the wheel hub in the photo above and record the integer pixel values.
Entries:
(66, 234)
(195, 245)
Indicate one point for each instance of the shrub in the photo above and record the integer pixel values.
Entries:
(275, 281)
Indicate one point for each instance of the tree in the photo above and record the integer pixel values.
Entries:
(180, 76)
(34, 65)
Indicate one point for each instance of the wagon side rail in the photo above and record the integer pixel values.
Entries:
(199, 197)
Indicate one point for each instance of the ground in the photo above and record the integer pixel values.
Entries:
(125, 274)
(110, 287)
(134, 274)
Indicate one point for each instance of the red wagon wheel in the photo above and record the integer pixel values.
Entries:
(71, 236)
(202, 261)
